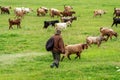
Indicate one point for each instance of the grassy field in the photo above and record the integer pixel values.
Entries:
(22, 51)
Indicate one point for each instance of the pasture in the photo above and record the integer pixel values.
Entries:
(22, 51)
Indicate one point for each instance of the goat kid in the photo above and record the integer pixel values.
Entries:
(14, 22)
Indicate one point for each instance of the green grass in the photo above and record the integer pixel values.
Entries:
(22, 51)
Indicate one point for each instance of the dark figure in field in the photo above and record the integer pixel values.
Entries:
(58, 48)
(115, 21)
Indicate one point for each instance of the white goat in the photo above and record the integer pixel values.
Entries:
(18, 9)
(27, 10)
(22, 9)
(61, 26)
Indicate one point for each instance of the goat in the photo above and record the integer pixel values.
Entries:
(22, 9)
(41, 11)
(67, 8)
(55, 12)
(74, 49)
(48, 23)
(27, 10)
(5, 10)
(45, 9)
(99, 12)
(66, 19)
(20, 14)
(14, 22)
(108, 32)
(116, 12)
(115, 21)
(61, 26)
(95, 40)
(67, 13)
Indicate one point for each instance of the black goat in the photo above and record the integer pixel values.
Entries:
(48, 23)
(115, 21)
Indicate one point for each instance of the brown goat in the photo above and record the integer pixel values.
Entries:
(45, 9)
(55, 12)
(5, 10)
(41, 11)
(14, 22)
(108, 32)
(74, 49)
(20, 14)
(67, 8)
(116, 12)
(68, 13)
(66, 19)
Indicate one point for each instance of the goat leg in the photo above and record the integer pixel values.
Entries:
(112, 24)
(78, 55)
(116, 24)
(69, 57)
(62, 58)
(110, 36)
(107, 37)
(99, 44)
(10, 27)
(19, 26)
